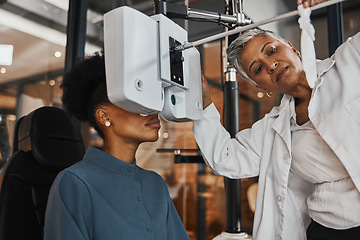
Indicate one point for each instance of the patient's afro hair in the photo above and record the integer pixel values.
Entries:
(84, 88)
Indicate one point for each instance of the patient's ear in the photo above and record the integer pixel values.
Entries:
(102, 115)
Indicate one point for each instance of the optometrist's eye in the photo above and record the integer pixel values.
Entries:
(271, 51)
(258, 69)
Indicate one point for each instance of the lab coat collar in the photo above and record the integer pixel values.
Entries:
(286, 110)
(322, 67)
(282, 115)
(284, 105)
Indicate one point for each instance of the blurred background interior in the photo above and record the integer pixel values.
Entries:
(37, 30)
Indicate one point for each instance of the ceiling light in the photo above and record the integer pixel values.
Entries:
(6, 54)
(2, 70)
(24, 25)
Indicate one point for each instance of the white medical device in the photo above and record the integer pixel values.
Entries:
(144, 72)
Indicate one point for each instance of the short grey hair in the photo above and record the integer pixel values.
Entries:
(236, 47)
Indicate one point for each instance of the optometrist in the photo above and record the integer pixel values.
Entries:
(306, 151)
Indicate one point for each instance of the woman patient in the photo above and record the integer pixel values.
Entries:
(106, 195)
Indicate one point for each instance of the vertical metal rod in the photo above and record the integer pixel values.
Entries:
(335, 27)
(160, 7)
(201, 200)
(201, 203)
(232, 125)
(241, 6)
(76, 32)
(75, 45)
(20, 91)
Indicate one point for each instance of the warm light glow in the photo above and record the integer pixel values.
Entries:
(165, 135)
(11, 117)
(57, 54)
(52, 82)
(3, 70)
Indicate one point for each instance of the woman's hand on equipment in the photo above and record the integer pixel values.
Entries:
(307, 3)
(205, 91)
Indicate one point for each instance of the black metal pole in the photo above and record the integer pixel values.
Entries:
(76, 32)
(160, 7)
(75, 43)
(335, 27)
(201, 203)
(232, 125)
(231, 104)
(232, 186)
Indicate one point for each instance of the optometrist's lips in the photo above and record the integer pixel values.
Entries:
(281, 73)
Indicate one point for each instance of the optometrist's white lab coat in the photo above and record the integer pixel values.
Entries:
(264, 150)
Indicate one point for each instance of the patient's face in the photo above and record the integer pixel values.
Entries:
(132, 127)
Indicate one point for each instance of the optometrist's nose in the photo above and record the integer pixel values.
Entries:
(272, 66)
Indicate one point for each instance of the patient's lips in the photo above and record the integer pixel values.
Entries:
(154, 122)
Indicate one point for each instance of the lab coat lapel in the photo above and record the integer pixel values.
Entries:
(281, 124)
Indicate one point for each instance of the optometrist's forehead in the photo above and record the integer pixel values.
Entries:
(259, 43)
(253, 48)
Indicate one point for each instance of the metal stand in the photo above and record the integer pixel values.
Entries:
(232, 125)
(232, 236)
(253, 25)
(232, 186)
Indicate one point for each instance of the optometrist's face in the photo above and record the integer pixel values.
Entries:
(273, 65)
